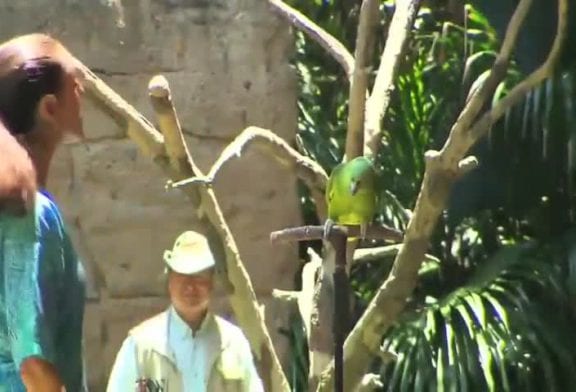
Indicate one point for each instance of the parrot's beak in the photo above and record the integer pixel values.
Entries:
(354, 187)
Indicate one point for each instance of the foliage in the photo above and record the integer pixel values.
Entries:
(496, 312)
(298, 365)
(508, 328)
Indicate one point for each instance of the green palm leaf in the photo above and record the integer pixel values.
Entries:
(494, 333)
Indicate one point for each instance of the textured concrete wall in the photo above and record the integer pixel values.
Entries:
(227, 62)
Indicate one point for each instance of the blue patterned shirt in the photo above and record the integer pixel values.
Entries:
(41, 296)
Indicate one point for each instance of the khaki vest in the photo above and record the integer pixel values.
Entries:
(157, 369)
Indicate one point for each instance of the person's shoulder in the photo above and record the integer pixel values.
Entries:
(231, 330)
(151, 324)
(47, 213)
(45, 206)
(45, 217)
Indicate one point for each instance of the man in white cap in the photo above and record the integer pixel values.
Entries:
(186, 348)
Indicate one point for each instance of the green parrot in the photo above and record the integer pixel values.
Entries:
(351, 194)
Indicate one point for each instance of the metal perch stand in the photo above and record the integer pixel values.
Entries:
(341, 306)
(337, 236)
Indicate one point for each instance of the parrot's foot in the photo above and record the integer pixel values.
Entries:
(328, 225)
(363, 231)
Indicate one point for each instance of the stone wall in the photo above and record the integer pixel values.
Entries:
(227, 62)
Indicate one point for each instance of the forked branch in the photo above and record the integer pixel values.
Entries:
(305, 168)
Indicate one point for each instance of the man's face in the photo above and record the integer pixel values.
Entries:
(190, 294)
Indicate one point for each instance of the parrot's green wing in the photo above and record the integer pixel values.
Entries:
(331, 181)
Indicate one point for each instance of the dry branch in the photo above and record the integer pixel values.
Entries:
(169, 124)
(441, 171)
(304, 297)
(379, 101)
(475, 103)
(265, 140)
(242, 298)
(148, 139)
(366, 255)
(286, 295)
(356, 104)
(538, 76)
(334, 47)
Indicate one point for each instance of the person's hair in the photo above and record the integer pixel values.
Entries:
(22, 88)
(31, 66)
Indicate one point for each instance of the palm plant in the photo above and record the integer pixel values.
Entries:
(503, 319)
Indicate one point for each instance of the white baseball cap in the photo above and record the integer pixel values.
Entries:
(190, 254)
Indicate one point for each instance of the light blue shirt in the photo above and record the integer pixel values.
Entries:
(190, 351)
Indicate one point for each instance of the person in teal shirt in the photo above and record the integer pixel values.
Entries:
(42, 282)
(42, 296)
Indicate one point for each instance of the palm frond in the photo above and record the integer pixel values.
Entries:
(534, 149)
(511, 326)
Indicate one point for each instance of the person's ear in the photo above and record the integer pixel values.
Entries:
(47, 110)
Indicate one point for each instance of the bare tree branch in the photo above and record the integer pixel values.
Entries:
(305, 168)
(304, 297)
(334, 47)
(231, 269)
(286, 295)
(148, 139)
(370, 254)
(169, 124)
(356, 104)
(497, 73)
(535, 78)
(379, 101)
(441, 172)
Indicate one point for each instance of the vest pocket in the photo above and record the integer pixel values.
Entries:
(230, 366)
(230, 371)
